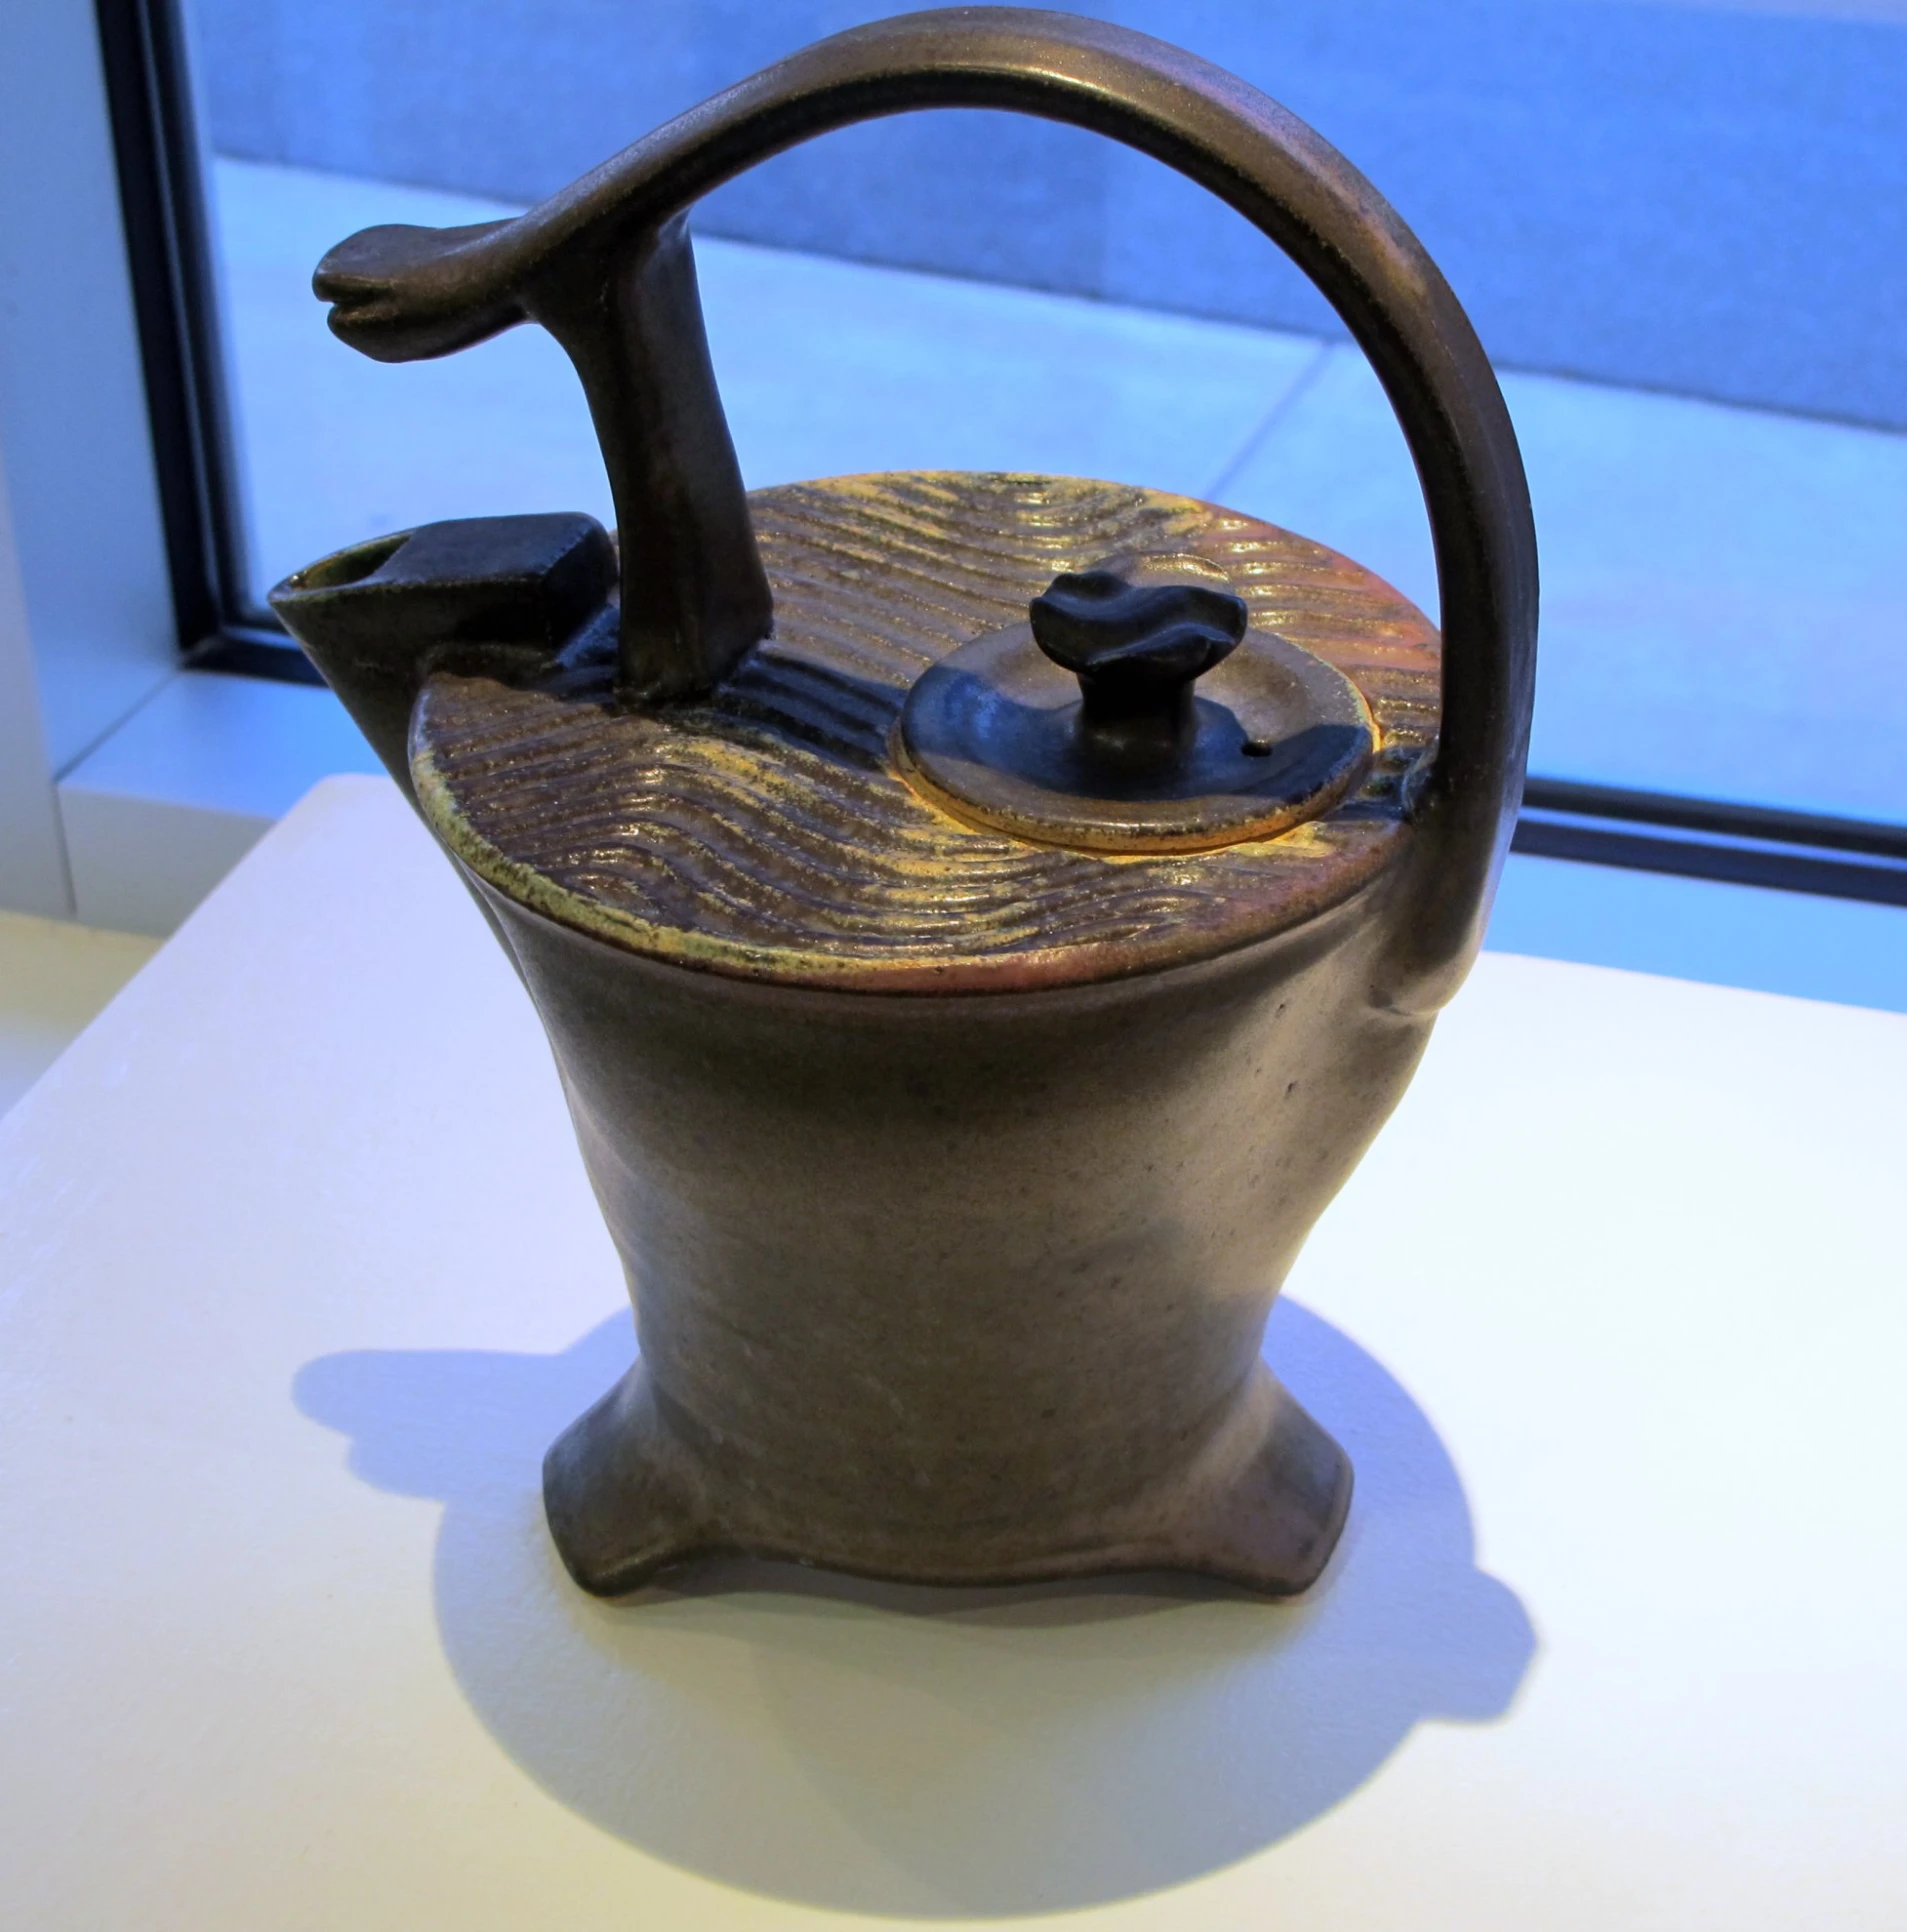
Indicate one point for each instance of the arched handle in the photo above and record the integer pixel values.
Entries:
(605, 265)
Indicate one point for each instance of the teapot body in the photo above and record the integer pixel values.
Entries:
(970, 1288)
(954, 1177)
(960, 1061)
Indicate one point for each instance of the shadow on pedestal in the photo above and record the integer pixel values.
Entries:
(933, 1752)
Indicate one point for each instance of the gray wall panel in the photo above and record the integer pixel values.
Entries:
(1697, 198)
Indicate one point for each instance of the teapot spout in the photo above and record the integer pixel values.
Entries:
(496, 595)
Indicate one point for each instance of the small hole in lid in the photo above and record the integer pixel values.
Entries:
(1259, 747)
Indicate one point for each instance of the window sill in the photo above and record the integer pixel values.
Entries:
(158, 812)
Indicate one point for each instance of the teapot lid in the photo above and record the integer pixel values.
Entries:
(819, 819)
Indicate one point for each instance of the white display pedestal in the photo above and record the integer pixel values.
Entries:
(299, 1274)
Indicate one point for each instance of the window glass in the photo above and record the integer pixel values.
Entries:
(1681, 230)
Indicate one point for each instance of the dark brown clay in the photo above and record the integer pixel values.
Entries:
(955, 1150)
(968, 1288)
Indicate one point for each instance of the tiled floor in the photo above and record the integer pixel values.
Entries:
(1724, 608)
(827, 368)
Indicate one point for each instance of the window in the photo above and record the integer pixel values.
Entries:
(1681, 229)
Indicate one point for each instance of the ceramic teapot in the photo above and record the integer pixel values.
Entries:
(980, 920)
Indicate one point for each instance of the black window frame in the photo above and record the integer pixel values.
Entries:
(156, 143)
(169, 254)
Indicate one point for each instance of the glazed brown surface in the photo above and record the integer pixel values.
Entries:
(764, 833)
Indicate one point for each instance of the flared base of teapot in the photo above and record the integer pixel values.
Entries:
(1263, 1509)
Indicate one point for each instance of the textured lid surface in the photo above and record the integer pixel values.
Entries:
(766, 832)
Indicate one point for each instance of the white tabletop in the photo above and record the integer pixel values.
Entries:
(299, 1274)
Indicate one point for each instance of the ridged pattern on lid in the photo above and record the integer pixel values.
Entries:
(764, 833)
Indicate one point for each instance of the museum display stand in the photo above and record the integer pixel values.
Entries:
(299, 1274)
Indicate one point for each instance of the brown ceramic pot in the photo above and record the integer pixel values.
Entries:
(964, 1016)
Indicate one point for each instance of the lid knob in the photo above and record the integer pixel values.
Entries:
(1137, 649)
(1126, 755)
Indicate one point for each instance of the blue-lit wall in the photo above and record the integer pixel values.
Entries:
(1685, 196)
